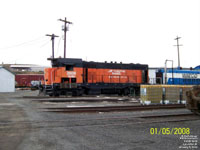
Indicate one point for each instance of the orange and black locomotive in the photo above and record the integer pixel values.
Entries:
(77, 77)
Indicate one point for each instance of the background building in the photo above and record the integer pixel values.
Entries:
(26, 68)
(7, 80)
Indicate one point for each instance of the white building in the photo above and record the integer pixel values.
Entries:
(152, 75)
(7, 80)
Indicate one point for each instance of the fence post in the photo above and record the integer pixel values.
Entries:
(163, 95)
(180, 95)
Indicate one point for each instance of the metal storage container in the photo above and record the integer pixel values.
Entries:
(163, 94)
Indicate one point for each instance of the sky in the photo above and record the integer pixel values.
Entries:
(128, 31)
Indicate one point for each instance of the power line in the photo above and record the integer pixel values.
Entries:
(22, 44)
(58, 48)
(44, 44)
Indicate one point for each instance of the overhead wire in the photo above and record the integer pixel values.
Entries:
(39, 42)
(58, 47)
(31, 42)
(45, 44)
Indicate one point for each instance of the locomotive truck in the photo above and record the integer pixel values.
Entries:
(77, 77)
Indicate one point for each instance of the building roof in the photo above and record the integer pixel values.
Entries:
(1, 67)
(25, 66)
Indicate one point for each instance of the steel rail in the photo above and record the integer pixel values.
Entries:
(112, 108)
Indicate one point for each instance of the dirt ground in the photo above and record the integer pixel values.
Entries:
(25, 126)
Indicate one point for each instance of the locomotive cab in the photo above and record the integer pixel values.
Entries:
(63, 77)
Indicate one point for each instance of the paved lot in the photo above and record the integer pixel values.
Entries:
(23, 126)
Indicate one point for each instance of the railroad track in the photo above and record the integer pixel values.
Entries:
(78, 99)
(96, 122)
(85, 96)
(61, 100)
(111, 108)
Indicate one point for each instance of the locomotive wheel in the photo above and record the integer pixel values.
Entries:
(56, 94)
(126, 91)
(74, 93)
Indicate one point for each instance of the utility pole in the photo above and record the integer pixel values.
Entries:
(52, 39)
(65, 32)
(177, 39)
